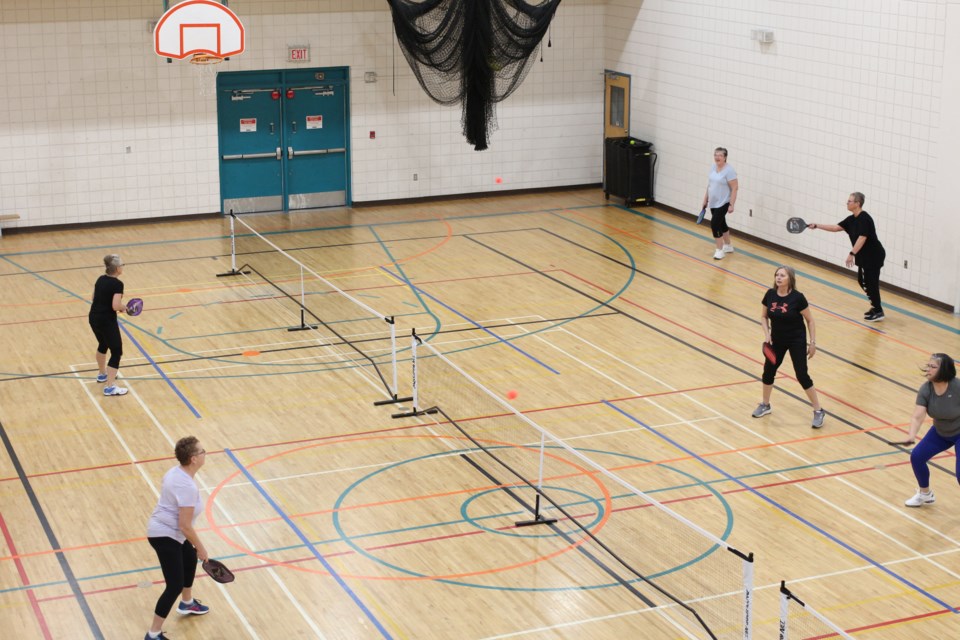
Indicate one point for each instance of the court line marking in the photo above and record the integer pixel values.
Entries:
(51, 536)
(25, 581)
(796, 516)
(329, 568)
(508, 343)
(143, 474)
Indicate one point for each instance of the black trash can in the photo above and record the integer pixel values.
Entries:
(628, 170)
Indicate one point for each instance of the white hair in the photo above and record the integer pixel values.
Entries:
(112, 262)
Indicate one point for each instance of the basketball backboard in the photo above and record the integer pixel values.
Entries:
(198, 26)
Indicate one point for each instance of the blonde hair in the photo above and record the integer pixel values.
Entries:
(112, 262)
(791, 277)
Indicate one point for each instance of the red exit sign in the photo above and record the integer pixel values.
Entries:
(298, 54)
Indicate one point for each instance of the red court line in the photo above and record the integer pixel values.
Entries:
(31, 596)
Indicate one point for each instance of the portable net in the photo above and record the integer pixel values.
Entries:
(335, 329)
(476, 52)
(691, 578)
(799, 620)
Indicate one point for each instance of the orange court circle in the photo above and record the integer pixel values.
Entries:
(607, 501)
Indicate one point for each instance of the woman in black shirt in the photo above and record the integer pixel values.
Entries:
(107, 303)
(784, 312)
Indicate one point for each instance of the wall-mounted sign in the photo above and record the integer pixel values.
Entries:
(298, 53)
(314, 122)
(248, 125)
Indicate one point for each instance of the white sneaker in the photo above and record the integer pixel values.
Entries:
(718, 254)
(920, 498)
(114, 391)
(728, 248)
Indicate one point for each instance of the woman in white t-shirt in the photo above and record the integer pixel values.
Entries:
(171, 534)
(721, 196)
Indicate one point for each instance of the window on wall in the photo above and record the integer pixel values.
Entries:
(617, 98)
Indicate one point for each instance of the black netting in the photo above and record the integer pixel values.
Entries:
(472, 51)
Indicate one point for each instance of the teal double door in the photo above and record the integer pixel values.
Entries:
(284, 140)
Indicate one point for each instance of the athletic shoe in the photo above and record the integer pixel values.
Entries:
(761, 410)
(162, 636)
(101, 377)
(728, 248)
(194, 608)
(818, 417)
(718, 254)
(876, 316)
(920, 498)
(869, 312)
(114, 391)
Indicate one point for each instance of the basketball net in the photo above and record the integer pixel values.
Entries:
(206, 65)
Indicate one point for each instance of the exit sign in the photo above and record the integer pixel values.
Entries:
(298, 54)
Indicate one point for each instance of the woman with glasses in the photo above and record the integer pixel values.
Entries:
(171, 534)
(939, 398)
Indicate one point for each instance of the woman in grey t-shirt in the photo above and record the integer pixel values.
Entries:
(939, 397)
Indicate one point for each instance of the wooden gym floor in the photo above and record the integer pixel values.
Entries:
(621, 336)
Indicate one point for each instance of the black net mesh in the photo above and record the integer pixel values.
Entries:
(472, 51)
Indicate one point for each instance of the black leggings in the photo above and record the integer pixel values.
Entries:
(718, 220)
(108, 337)
(179, 565)
(869, 279)
(798, 354)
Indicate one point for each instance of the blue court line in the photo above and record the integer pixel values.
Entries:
(785, 510)
(309, 545)
(471, 321)
(156, 366)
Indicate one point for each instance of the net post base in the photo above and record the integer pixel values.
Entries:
(538, 520)
(414, 413)
(233, 272)
(302, 327)
(393, 400)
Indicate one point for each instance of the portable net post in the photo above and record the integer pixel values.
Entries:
(303, 321)
(805, 623)
(233, 250)
(414, 342)
(395, 391)
(538, 517)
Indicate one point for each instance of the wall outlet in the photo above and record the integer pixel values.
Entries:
(414, 177)
(904, 264)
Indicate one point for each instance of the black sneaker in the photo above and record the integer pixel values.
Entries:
(869, 312)
(876, 316)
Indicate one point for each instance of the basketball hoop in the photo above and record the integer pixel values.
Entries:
(206, 72)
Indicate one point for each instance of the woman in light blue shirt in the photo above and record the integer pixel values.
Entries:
(721, 196)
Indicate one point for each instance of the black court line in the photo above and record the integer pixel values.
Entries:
(681, 341)
(51, 536)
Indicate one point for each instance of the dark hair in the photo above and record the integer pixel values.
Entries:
(859, 197)
(721, 150)
(791, 277)
(186, 448)
(947, 370)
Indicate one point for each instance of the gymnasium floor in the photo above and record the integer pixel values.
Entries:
(621, 336)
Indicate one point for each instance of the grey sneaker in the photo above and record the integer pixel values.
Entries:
(761, 410)
(818, 417)
(920, 498)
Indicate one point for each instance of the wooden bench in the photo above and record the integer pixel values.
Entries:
(7, 216)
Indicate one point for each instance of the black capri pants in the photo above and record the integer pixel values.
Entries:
(718, 220)
(107, 331)
(798, 354)
(178, 561)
